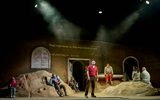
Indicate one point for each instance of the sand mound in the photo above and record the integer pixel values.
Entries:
(36, 84)
(130, 89)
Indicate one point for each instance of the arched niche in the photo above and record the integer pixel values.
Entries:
(128, 64)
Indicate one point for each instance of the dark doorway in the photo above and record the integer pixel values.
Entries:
(128, 67)
(79, 72)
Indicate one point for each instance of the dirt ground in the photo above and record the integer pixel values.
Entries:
(80, 96)
(100, 95)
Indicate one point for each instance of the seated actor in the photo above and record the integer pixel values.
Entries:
(108, 72)
(74, 84)
(56, 82)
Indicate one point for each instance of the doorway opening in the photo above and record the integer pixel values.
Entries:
(77, 69)
(128, 64)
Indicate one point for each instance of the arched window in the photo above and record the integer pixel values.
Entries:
(41, 58)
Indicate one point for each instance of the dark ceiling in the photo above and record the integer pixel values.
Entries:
(22, 19)
(84, 12)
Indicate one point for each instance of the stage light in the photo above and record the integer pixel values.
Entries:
(147, 2)
(36, 6)
(100, 12)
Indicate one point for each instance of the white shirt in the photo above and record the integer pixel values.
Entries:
(145, 76)
(108, 69)
(135, 75)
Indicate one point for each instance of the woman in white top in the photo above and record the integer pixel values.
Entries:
(135, 74)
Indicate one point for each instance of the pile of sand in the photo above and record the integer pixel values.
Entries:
(130, 89)
(36, 84)
(100, 86)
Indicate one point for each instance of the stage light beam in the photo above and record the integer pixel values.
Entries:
(58, 25)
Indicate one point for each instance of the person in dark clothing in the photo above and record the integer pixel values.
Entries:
(74, 84)
(56, 82)
(92, 76)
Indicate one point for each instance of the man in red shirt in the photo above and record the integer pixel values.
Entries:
(92, 75)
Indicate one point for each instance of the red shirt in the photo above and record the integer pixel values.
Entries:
(92, 70)
(13, 83)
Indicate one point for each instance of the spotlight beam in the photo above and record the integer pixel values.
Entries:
(58, 25)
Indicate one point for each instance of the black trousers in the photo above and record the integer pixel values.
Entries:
(92, 82)
(64, 89)
(59, 88)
